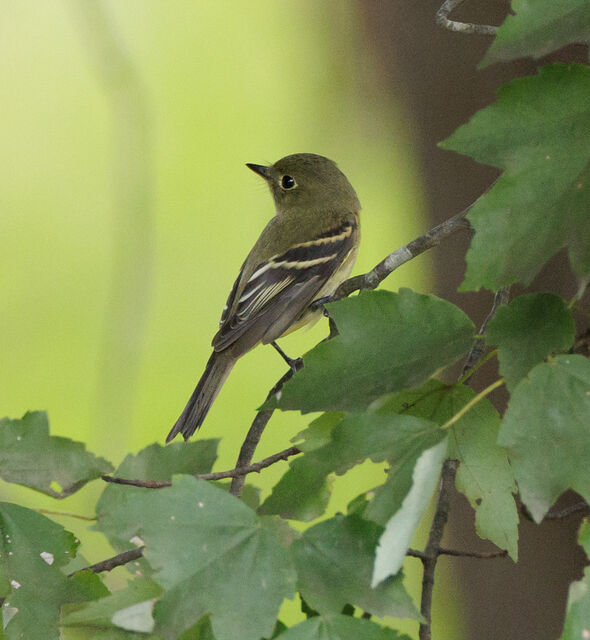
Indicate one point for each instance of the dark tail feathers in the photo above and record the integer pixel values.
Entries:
(216, 372)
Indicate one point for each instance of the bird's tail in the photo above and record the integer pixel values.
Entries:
(216, 372)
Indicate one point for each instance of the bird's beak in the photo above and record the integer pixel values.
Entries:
(260, 169)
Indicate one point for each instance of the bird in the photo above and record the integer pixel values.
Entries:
(303, 254)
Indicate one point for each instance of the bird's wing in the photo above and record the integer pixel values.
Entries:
(280, 289)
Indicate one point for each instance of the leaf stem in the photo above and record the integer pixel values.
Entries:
(68, 514)
(476, 366)
(482, 394)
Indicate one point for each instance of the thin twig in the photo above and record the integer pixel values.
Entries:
(255, 432)
(214, 475)
(67, 514)
(482, 555)
(111, 563)
(568, 511)
(432, 550)
(501, 297)
(442, 19)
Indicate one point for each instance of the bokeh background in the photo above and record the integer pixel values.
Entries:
(126, 212)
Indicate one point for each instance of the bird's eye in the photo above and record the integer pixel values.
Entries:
(287, 182)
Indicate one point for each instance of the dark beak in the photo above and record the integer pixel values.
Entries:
(260, 169)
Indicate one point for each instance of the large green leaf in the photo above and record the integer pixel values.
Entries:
(211, 554)
(337, 627)
(538, 28)
(484, 474)
(538, 131)
(527, 330)
(334, 562)
(50, 464)
(32, 551)
(302, 491)
(388, 341)
(546, 430)
(153, 463)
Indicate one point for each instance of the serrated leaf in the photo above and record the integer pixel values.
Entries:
(484, 474)
(337, 627)
(302, 491)
(538, 28)
(527, 330)
(387, 341)
(153, 463)
(31, 457)
(334, 563)
(538, 131)
(546, 432)
(211, 554)
(32, 550)
(399, 530)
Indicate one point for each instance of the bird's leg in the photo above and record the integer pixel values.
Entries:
(295, 365)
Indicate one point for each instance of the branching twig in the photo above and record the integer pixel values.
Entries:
(442, 19)
(255, 432)
(432, 550)
(111, 563)
(214, 475)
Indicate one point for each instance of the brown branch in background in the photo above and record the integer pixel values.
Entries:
(111, 563)
(432, 551)
(442, 19)
(214, 475)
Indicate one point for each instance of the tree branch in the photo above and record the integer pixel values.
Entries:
(402, 255)
(482, 555)
(214, 475)
(432, 550)
(111, 563)
(442, 19)
(255, 432)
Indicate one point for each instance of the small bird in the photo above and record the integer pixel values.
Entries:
(306, 250)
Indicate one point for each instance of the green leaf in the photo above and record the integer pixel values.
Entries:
(334, 562)
(584, 536)
(484, 474)
(53, 465)
(546, 432)
(336, 627)
(400, 529)
(302, 491)
(211, 554)
(129, 608)
(577, 617)
(527, 330)
(538, 131)
(32, 550)
(538, 28)
(152, 463)
(387, 341)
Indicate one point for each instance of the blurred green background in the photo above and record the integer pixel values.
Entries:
(126, 209)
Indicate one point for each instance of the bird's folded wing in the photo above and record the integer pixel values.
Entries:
(280, 289)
